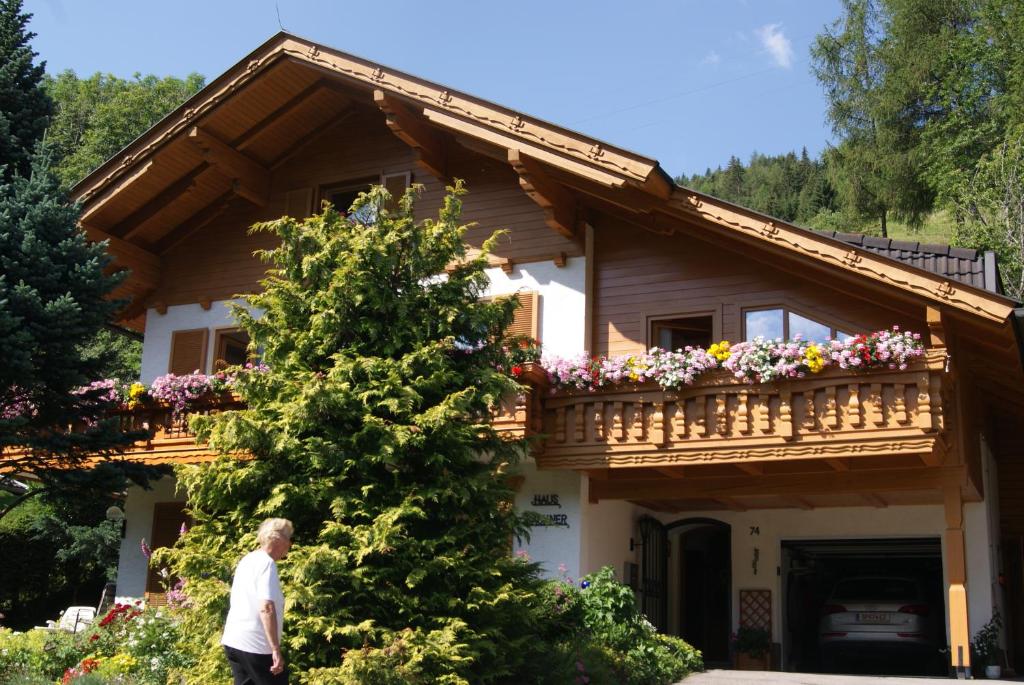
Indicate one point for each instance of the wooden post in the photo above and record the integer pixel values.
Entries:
(956, 572)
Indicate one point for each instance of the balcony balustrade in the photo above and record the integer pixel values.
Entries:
(834, 414)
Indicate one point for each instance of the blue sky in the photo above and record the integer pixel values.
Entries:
(688, 83)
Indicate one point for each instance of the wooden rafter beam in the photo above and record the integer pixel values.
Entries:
(129, 226)
(94, 206)
(875, 500)
(839, 464)
(286, 108)
(671, 471)
(413, 131)
(559, 205)
(144, 265)
(252, 178)
(777, 484)
(799, 502)
(731, 503)
(195, 222)
(751, 469)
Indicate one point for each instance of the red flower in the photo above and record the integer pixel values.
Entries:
(516, 370)
(94, 637)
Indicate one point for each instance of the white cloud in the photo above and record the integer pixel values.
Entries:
(776, 44)
(711, 58)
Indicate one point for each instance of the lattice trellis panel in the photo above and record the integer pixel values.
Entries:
(756, 609)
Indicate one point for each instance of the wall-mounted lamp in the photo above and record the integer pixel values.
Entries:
(116, 513)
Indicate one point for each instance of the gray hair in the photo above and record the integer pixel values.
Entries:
(273, 529)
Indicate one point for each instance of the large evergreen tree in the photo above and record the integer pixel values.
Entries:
(876, 167)
(52, 302)
(24, 106)
(370, 431)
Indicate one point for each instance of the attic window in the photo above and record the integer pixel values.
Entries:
(342, 195)
(781, 322)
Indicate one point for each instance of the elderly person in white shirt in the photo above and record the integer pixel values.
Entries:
(252, 632)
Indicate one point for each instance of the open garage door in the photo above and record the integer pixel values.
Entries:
(872, 606)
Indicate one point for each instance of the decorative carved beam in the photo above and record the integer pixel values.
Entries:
(195, 222)
(253, 180)
(94, 206)
(145, 266)
(936, 327)
(411, 129)
(129, 226)
(558, 204)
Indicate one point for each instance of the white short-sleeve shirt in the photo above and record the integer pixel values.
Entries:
(255, 582)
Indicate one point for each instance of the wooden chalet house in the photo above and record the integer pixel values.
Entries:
(723, 503)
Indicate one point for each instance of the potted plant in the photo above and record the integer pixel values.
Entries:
(753, 647)
(985, 646)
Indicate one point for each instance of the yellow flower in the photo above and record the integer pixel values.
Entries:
(135, 394)
(720, 350)
(812, 357)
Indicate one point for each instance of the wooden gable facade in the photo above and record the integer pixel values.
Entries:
(295, 121)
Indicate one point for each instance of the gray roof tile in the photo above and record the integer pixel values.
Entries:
(961, 264)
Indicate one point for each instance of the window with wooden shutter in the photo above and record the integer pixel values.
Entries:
(168, 517)
(396, 185)
(526, 321)
(299, 203)
(188, 351)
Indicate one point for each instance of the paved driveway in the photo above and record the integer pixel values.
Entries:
(718, 677)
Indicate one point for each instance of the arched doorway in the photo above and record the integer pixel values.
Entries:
(701, 571)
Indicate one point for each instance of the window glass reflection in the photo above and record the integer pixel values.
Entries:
(807, 329)
(766, 323)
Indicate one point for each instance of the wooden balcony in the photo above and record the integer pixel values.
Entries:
(170, 440)
(837, 415)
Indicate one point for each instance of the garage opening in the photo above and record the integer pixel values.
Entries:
(873, 606)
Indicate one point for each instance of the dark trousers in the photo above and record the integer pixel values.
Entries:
(253, 669)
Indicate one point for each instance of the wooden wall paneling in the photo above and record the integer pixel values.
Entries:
(657, 275)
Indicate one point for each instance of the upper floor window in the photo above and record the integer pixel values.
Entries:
(231, 348)
(781, 322)
(682, 332)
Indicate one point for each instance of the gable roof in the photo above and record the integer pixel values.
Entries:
(558, 168)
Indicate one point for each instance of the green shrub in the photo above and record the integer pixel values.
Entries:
(621, 640)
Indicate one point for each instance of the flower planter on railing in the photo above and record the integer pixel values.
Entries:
(164, 422)
(719, 418)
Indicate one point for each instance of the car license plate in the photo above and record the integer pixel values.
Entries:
(874, 617)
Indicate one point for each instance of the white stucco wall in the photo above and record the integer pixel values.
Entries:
(156, 345)
(138, 511)
(605, 531)
(553, 547)
(562, 299)
(561, 313)
(778, 525)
